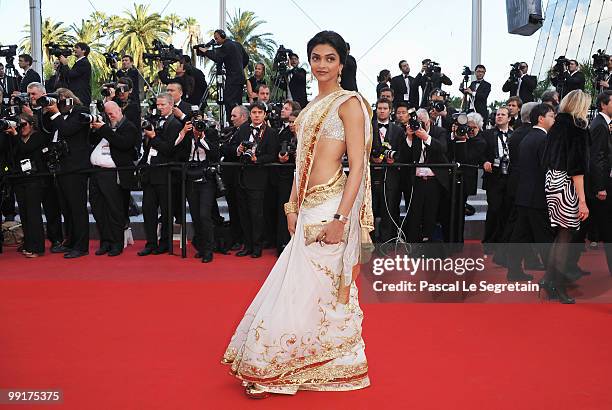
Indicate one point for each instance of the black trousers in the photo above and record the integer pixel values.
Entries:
(285, 183)
(155, 197)
(107, 200)
(72, 191)
(388, 196)
(53, 213)
(251, 205)
(601, 216)
(531, 231)
(498, 208)
(29, 198)
(201, 197)
(423, 210)
(8, 205)
(271, 210)
(231, 196)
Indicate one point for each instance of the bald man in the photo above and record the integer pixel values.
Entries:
(116, 144)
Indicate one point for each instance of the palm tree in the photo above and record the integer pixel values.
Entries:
(136, 32)
(52, 32)
(241, 27)
(175, 24)
(194, 36)
(89, 32)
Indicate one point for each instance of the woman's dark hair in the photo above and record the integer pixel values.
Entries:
(382, 76)
(331, 38)
(263, 72)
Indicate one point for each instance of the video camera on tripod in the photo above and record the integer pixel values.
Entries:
(558, 70)
(8, 51)
(281, 60)
(515, 72)
(57, 50)
(432, 69)
(166, 53)
(600, 68)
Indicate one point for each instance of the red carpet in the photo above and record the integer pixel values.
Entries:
(147, 333)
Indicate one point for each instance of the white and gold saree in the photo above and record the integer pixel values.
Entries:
(296, 334)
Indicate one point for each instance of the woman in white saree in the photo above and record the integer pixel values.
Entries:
(303, 329)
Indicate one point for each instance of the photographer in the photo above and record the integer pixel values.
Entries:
(386, 194)
(404, 87)
(235, 59)
(258, 78)
(496, 164)
(29, 188)
(127, 70)
(29, 75)
(440, 113)
(181, 108)
(71, 143)
(79, 76)
(115, 146)
(520, 83)
(401, 119)
(568, 80)
(159, 149)
(426, 144)
(121, 94)
(198, 146)
(430, 78)
(186, 81)
(607, 83)
(254, 144)
(479, 91)
(296, 77)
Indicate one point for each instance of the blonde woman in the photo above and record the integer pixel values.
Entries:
(565, 159)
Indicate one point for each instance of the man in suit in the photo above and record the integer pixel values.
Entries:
(297, 81)
(29, 75)
(523, 86)
(479, 91)
(607, 83)
(159, 149)
(496, 163)
(79, 76)
(235, 59)
(427, 145)
(348, 79)
(386, 190)
(404, 89)
(599, 175)
(514, 105)
(572, 79)
(252, 180)
(532, 224)
(70, 129)
(181, 108)
(127, 70)
(199, 82)
(115, 146)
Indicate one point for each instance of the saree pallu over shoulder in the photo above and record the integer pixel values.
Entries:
(310, 129)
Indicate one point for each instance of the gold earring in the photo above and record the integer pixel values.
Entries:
(339, 78)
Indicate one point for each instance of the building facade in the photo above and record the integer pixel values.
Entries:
(575, 29)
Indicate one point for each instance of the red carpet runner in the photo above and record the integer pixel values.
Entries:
(148, 333)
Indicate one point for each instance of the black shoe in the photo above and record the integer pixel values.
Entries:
(256, 253)
(104, 248)
(75, 254)
(160, 250)
(469, 210)
(563, 296)
(59, 248)
(551, 291)
(146, 251)
(236, 246)
(115, 251)
(244, 252)
(518, 277)
(208, 257)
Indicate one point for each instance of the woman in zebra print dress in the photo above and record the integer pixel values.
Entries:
(565, 159)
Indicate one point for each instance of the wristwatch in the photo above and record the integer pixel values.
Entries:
(341, 218)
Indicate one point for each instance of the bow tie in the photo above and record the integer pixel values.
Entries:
(254, 128)
(383, 125)
(478, 81)
(406, 75)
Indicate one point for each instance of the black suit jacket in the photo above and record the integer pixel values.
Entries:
(435, 153)
(437, 80)
(531, 170)
(123, 143)
(480, 98)
(30, 76)
(79, 79)
(600, 149)
(528, 85)
(398, 85)
(394, 136)
(469, 152)
(235, 58)
(163, 142)
(76, 133)
(572, 82)
(514, 144)
(297, 86)
(252, 176)
(211, 137)
(185, 107)
(490, 153)
(349, 74)
(32, 150)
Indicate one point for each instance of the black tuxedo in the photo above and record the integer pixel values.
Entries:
(398, 85)
(386, 185)
(570, 83)
(123, 143)
(480, 97)
(75, 132)
(514, 142)
(349, 74)
(185, 107)
(235, 60)
(133, 75)
(79, 79)
(230, 179)
(525, 93)
(30, 76)
(199, 85)
(297, 86)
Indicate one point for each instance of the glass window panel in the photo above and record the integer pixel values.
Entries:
(577, 28)
(544, 34)
(588, 35)
(555, 28)
(566, 27)
(603, 29)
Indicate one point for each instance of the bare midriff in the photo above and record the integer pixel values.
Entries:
(327, 160)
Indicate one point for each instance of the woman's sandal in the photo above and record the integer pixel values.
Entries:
(254, 392)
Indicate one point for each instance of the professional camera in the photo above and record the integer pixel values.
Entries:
(21, 99)
(273, 111)
(385, 151)
(213, 173)
(151, 121)
(111, 58)
(6, 123)
(439, 105)
(432, 68)
(91, 118)
(559, 68)
(413, 120)
(460, 119)
(47, 100)
(57, 50)
(207, 45)
(466, 71)
(288, 148)
(281, 59)
(515, 72)
(249, 150)
(166, 53)
(600, 67)
(53, 153)
(503, 163)
(8, 51)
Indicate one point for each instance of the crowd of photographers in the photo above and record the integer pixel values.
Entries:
(87, 151)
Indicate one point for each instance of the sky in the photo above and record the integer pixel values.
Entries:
(436, 29)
